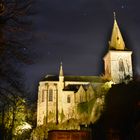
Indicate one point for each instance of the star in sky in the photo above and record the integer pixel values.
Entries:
(49, 53)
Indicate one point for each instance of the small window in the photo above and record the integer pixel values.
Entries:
(68, 99)
(43, 95)
(80, 98)
(50, 95)
(121, 65)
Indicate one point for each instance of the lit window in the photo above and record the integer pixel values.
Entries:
(68, 99)
(50, 95)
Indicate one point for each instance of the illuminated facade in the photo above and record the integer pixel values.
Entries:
(59, 96)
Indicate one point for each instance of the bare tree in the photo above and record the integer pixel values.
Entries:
(15, 35)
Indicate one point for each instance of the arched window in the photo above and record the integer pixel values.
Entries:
(121, 66)
(80, 98)
(68, 99)
(50, 95)
(43, 96)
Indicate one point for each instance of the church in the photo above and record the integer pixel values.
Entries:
(59, 95)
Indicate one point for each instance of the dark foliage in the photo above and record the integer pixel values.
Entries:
(121, 118)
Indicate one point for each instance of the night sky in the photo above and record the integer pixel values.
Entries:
(77, 32)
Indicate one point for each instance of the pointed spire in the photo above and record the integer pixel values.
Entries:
(61, 70)
(114, 15)
(117, 41)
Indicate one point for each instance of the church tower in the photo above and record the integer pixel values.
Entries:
(118, 60)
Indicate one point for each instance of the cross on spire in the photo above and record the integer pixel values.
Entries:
(114, 15)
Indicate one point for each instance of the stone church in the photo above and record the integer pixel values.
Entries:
(59, 95)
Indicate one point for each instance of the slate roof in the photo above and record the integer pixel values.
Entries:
(83, 78)
(51, 78)
(74, 78)
(72, 88)
(75, 87)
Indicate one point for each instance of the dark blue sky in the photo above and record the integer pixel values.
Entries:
(77, 32)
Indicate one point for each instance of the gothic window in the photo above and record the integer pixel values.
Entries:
(68, 99)
(43, 96)
(121, 65)
(50, 95)
(128, 66)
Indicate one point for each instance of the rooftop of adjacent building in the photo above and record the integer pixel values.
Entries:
(73, 78)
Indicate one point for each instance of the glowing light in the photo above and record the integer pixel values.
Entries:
(21, 128)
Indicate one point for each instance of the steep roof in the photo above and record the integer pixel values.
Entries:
(76, 87)
(116, 42)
